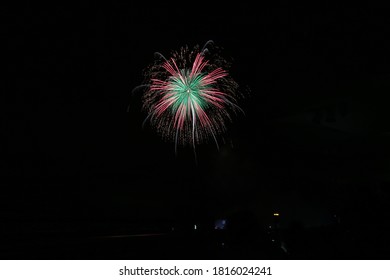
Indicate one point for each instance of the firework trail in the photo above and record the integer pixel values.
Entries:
(190, 96)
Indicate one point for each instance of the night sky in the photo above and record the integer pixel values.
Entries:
(314, 143)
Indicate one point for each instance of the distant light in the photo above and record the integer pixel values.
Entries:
(195, 227)
(220, 224)
(276, 214)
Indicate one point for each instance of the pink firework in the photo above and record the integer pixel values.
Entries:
(190, 96)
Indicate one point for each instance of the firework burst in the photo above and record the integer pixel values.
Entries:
(190, 96)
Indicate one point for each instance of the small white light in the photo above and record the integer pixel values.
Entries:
(195, 227)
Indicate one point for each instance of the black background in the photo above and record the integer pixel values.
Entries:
(313, 143)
